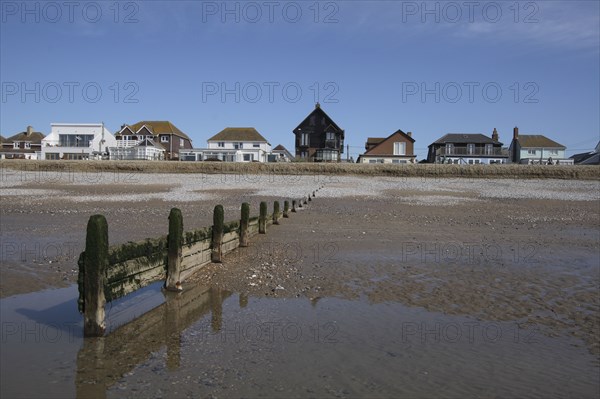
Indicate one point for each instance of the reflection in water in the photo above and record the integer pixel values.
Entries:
(101, 362)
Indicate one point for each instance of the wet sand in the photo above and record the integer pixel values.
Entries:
(525, 257)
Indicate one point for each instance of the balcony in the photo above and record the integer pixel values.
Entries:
(121, 143)
(477, 151)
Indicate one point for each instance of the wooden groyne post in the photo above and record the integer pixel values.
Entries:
(216, 254)
(244, 221)
(276, 212)
(262, 219)
(286, 208)
(175, 242)
(95, 263)
(294, 206)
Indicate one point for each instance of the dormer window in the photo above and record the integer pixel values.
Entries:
(16, 145)
(27, 145)
(221, 144)
(164, 139)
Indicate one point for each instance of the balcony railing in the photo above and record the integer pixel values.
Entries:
(127, 143)
(463, 151)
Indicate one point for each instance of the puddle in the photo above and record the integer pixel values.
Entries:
(208, 342)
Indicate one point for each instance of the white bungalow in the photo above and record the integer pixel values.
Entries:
(232, 144)
(77, 141)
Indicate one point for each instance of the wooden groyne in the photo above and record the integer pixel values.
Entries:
(108, 273)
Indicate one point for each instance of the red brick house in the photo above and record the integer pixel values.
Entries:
(398, 147)
(163, 132)
(23, 145)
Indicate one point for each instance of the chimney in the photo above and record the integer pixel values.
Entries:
(29, 131)
(409, 134)
(516, 133)
(495, 135)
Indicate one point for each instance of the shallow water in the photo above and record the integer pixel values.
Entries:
(208, 342)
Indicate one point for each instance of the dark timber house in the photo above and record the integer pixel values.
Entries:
(319, 138)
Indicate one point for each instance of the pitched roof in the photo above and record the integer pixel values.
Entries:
(238, 134)
(594, 159)
(465, 138)
(538, 141)
(319, 110)
(33, 137)
(160, 127)
(581, 156)
(280, 148)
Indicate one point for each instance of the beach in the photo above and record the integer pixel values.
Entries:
(522, 255)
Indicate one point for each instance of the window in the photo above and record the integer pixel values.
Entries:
(181, 142)
(256, 145)
(327, 155)
(470, 149)
(52, 156)
(75, 140)
(399, 161)
(470, 162)
(372, 161)
(489, 149)
(241, 145)
(221, 144)
(303, 154)
(531, 152)
(27, 145)
(248, 157)
(330, 136)
(304, 139)
(552, 152)
(16, 145)
(449, 148)
(164, 139)
(399, 148)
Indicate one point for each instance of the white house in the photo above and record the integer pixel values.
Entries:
(537, 149)
(232, 144)
(77, 141)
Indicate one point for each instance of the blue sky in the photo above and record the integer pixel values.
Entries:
(376, 66)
